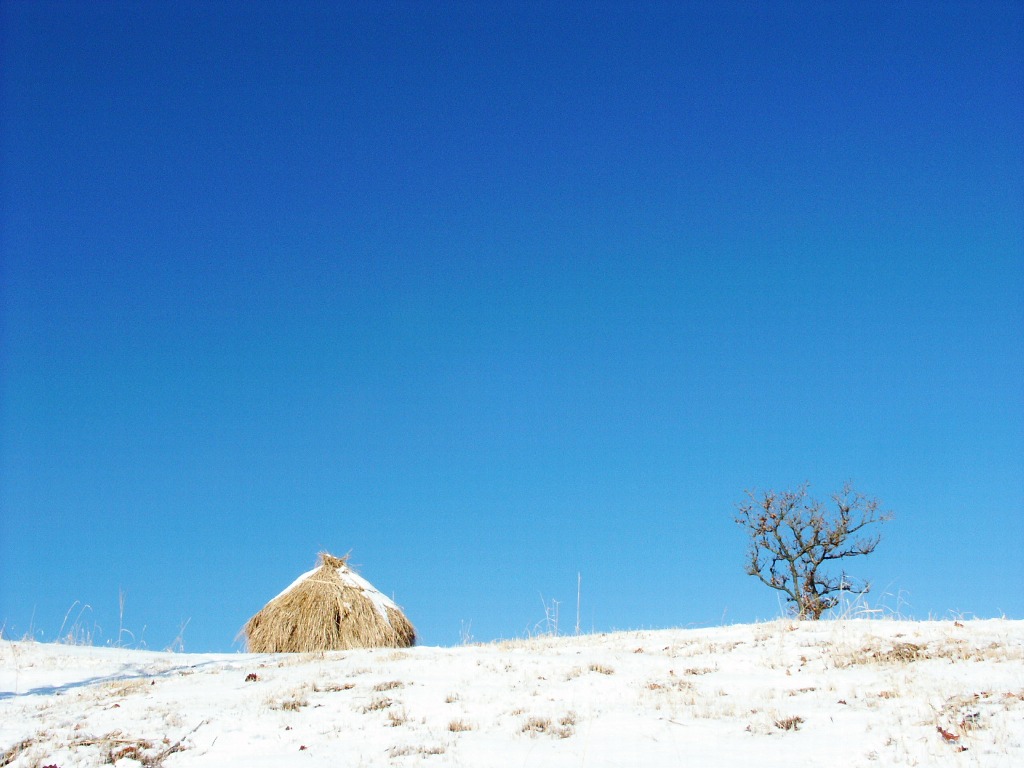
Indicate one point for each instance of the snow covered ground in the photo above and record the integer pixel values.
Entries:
(843, 693)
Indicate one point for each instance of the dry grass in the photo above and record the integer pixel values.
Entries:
(672, 685)
(789, 723)
(134, 751)
(292, 702)
(378, 703)
(397, 717)
(563, 729)
(900, 652)
(332, 687)
(126, 687)
(458, 726)
(536, 725)
(886, 652)
(323, 613)
(694, 671)
(405, 751)
(143, 751)
(11, 753)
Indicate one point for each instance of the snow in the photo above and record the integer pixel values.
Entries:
(295, 583)
(347, 575)
(380, 602)
(854, 692)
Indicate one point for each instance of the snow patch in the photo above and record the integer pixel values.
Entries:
(777, 695)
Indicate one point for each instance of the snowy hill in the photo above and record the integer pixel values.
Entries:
(844, 693)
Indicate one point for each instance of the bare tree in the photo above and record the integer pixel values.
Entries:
(792, 538)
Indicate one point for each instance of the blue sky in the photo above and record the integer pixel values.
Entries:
(492, 296)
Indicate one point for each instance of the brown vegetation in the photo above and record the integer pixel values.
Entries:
(328, 610)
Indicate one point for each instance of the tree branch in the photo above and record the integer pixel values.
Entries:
(792, 536)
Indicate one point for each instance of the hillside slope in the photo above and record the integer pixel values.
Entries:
(847, 693)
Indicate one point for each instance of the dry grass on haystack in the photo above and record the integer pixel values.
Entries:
(330, 608)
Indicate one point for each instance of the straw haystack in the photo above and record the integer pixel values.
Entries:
(329, 608)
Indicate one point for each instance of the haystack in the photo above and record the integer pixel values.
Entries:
(329, 608)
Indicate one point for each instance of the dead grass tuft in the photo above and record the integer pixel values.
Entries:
(397, 717)
(377, 704)
(798, 691)
(900, 653)
(333, 687)
(405, 751)
(126, 687)
(672, 685)
(880, 652)
(292, 703)
(133, 751)
(536, 725)
(11, 753)
(562, 730)
(117, 746)
(698, 671)
(952, 649)
(789, 723)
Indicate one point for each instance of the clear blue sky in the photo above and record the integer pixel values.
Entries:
(496, 295)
